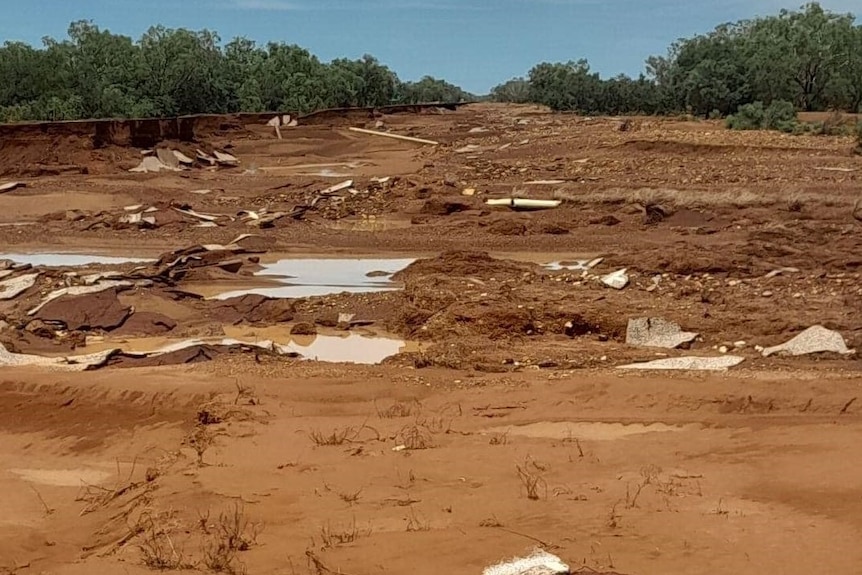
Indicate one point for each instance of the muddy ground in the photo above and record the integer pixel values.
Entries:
(503, 423)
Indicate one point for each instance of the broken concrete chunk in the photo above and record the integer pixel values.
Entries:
(14, 287)
(539, 562)
(168, 158)
(9, 186)
(225, 159)
(71, 363)
(688, 363)
(815, 339)
(153, 164)
(617, 280)
(657, 332)
(182, 158)
(206, 158)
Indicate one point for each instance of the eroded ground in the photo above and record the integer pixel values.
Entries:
(205, 436)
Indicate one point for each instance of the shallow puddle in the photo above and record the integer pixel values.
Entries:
(588, 430)
(318, 277)
(68, 260)
(350, 348)
(578, 265)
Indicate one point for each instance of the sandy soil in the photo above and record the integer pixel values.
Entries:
(503, 424)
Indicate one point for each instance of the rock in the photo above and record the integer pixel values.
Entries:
(654, 213)
(100, 310)
(767, 293)
(378, 274)
(303, 328)
(41, 329)
(617, 280)
(688, 363)
(815, 339)
(723, 349)
(450, 180)
(468, 192)
(145, 323)
(657, 332)
(739, 344)
(607, 220)
(12, 288)
(507, 228)
(442, 207)
(154, 164)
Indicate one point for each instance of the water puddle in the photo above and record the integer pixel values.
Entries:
(589, 430)
(578, 265)
(68, 260)
(62, 477)
(319, 277)
(349, 348)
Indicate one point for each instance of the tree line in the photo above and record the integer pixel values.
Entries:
(810, 58)
(97, 74)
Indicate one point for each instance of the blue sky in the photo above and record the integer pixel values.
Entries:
(474, 43)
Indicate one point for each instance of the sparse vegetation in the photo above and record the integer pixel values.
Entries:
(336, 536)
(232, 534)
(338, 436)
(533, 484)
(415, 437)
(780, 116)
(399, 409)
(157, 547)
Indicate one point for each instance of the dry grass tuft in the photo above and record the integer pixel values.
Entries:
(157, 547)
(533, 483)
(338, 436)
(415, 523)
(415, 437)
(399, 409)
(232, 533)
(338, 536)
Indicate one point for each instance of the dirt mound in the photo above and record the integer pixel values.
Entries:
(101, 310)
(253, 308)
(146, 323)
(459, 263)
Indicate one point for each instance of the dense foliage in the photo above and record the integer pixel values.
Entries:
(753, 70)
(811, 58)
(95, 73)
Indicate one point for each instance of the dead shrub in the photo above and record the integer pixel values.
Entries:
(233, 534)
(157, 547)
(499, 438)
(415, 437)
(415, 523)
(344, 535)
(338, 436)
(200, 440)
(533, 484)
(399, 409)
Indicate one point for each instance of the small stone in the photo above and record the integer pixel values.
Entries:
(469, 192)
(723, 349)
(767, 293)
(739, 344)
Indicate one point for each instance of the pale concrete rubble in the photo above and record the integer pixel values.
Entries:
(70, 363)
(617, 280)
(815, 339)
(539, 562)
(12, 288)
(657, 332)
(722, 363)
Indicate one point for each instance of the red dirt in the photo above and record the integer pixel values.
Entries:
(420, 464)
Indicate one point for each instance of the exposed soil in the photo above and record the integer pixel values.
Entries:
(503, 424)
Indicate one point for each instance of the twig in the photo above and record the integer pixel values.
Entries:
(394, 136)
(48, 510)
(847, 406)
(544, 544)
